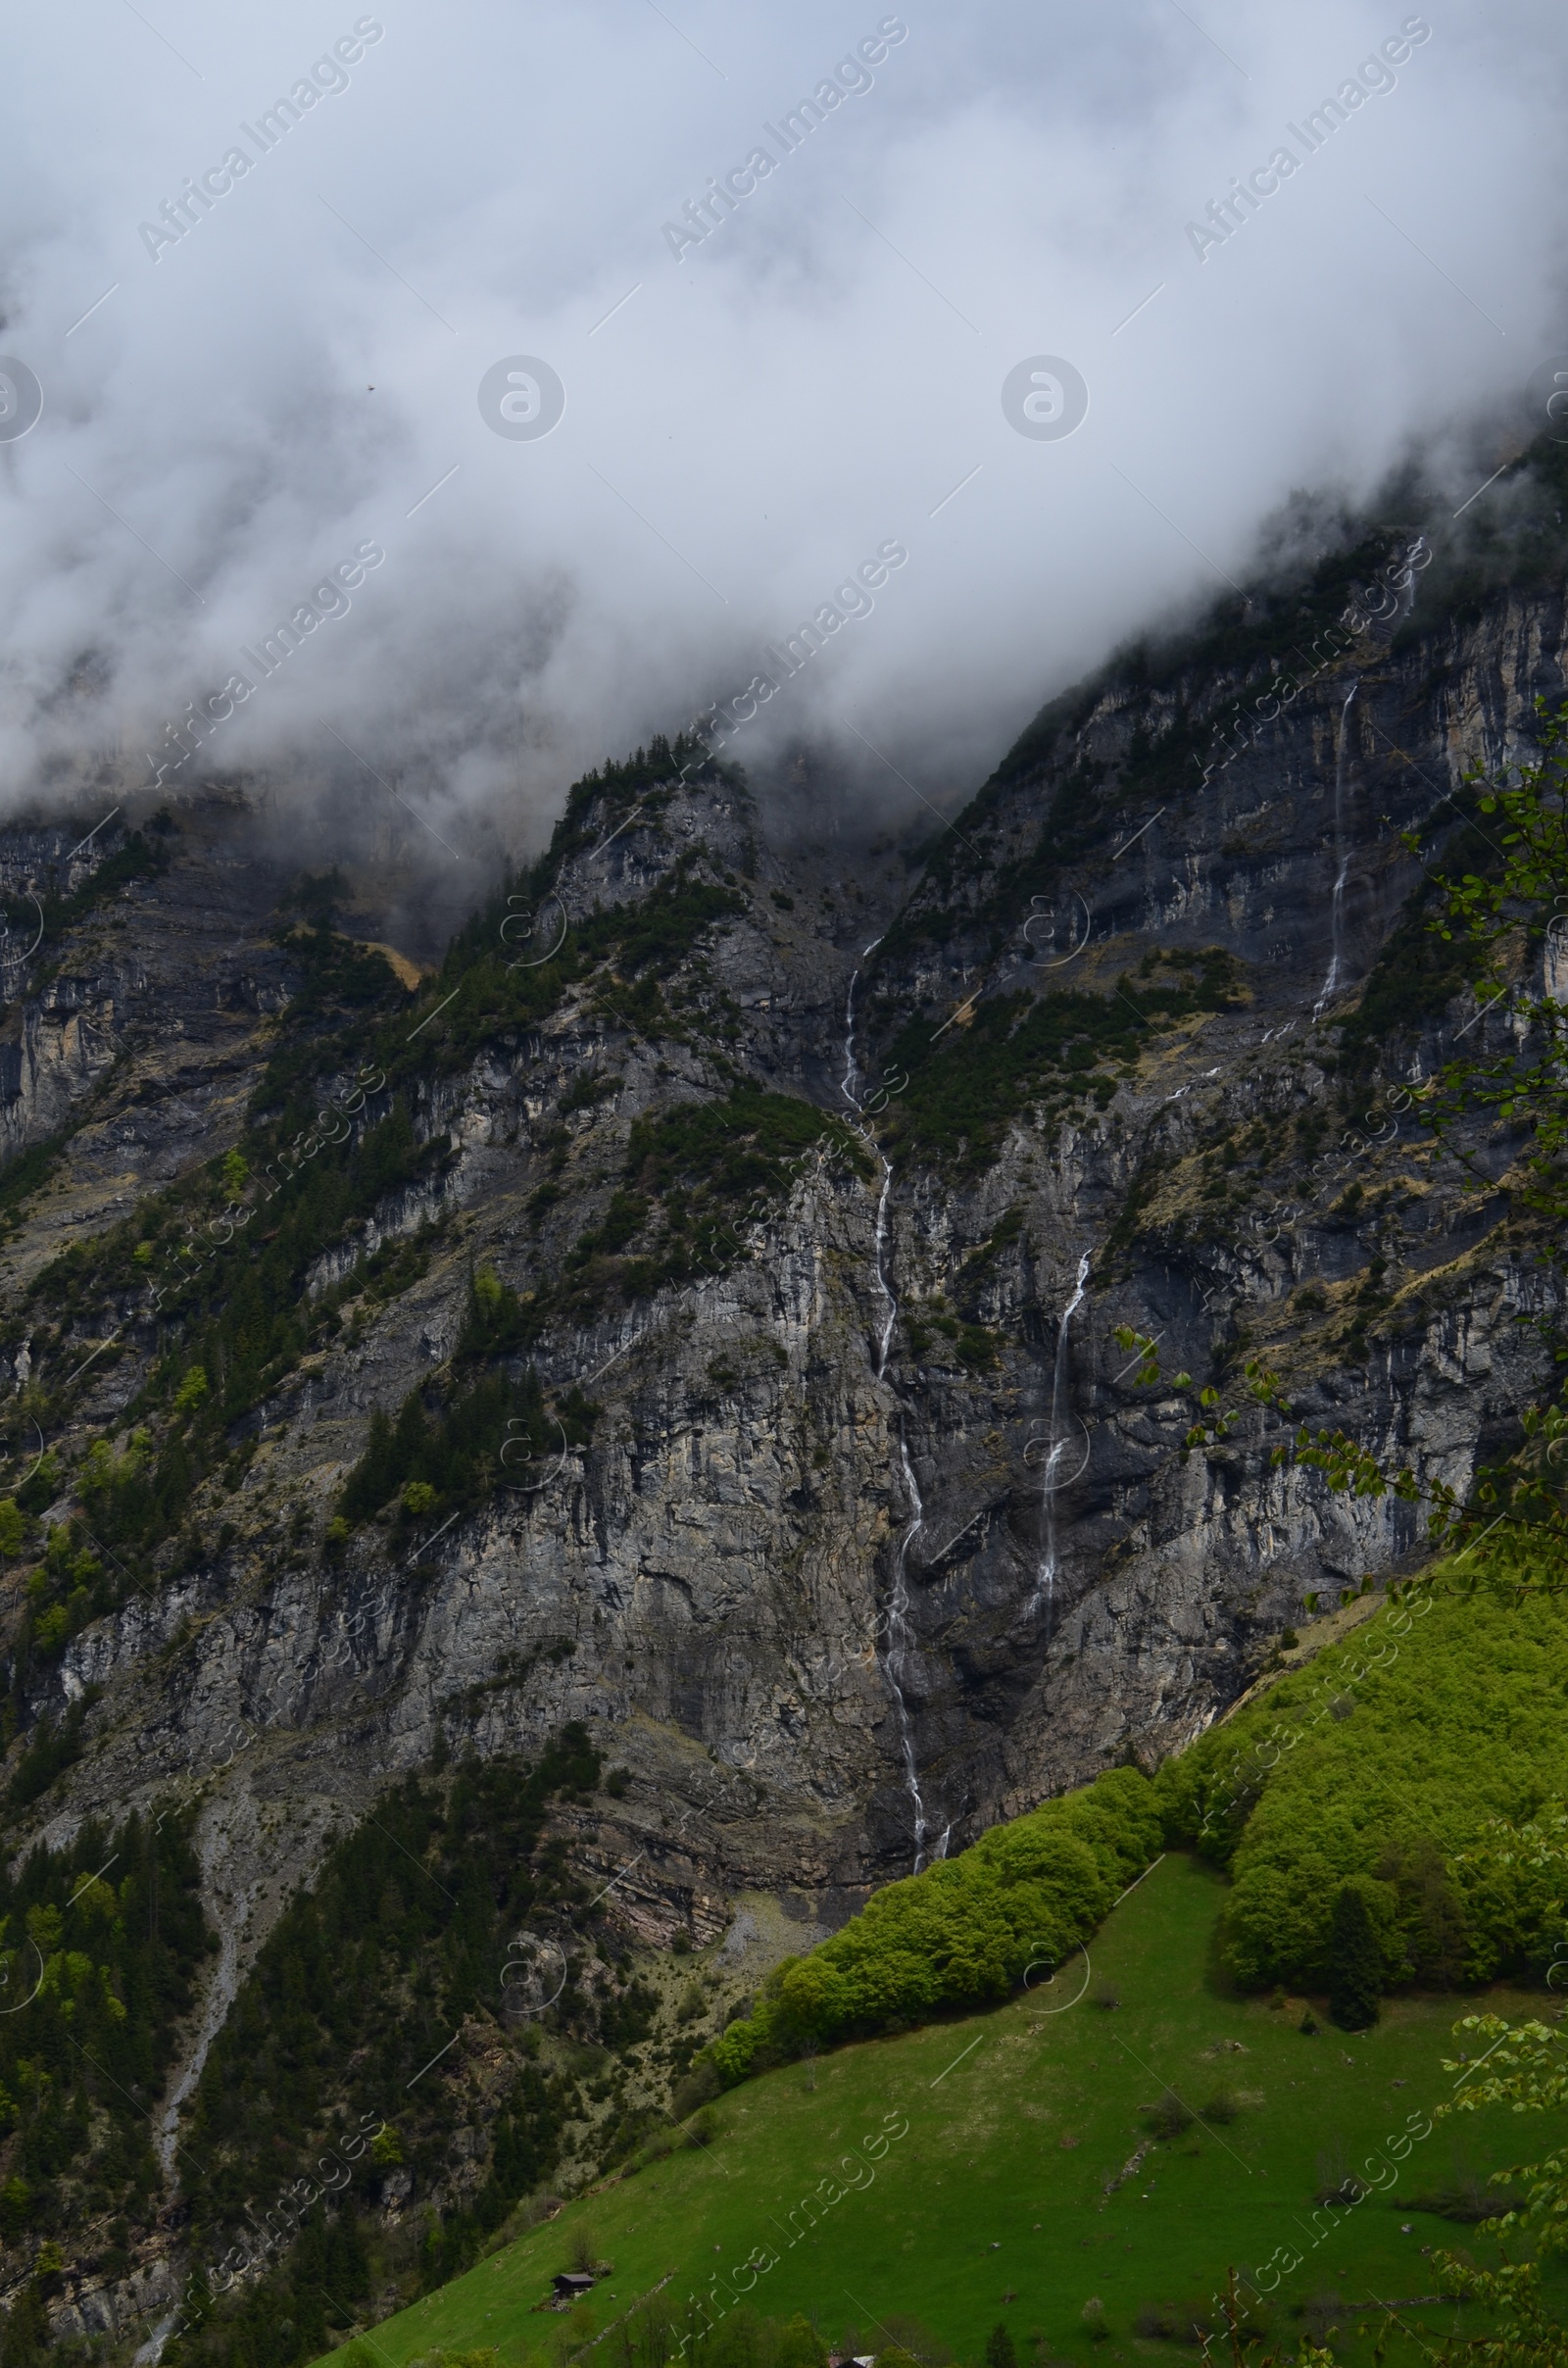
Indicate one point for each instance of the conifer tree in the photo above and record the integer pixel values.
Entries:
(1355, 1964)
(1000, 2352)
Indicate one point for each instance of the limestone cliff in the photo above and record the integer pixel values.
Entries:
(868, 1536)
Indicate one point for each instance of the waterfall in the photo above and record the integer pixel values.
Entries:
(898, 1655)
(882, 1283)
(1056, 1446)
(901, 1646)
(851, 1067)
(1338, 967)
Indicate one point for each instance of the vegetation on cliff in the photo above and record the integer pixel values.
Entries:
(1026, 1894)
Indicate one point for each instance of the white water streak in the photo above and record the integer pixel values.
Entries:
(901, 1650)
(899, 1656)
(1339, 966)
(1059, 1434)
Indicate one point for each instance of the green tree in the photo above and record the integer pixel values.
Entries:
(1355, 1964)
(1000, 2352)
(25, 2340)
(13, 1528)
(799, 2344)
(1528, 2072)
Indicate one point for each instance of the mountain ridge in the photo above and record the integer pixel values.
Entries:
(841, 1523)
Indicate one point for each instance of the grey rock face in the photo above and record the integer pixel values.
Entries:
(837, 1589)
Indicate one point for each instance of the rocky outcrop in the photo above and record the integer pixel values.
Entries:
(877, 1537)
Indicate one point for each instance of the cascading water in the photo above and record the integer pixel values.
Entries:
(898, 1654)
(883, 1285)
(851, 1067)
(1338, 967)
(1057, 1441)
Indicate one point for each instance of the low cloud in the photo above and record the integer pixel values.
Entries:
(295, 371)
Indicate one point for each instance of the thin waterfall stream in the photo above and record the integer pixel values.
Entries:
(1056, 1441)
(901, 1643)
(899, 1654)
(1339, 966)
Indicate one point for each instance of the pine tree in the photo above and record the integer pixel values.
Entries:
(1355, 1964)
(374, 1476)
(25, 2340)
(1000, 2352)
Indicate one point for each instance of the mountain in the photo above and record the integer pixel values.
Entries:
(685, 1308)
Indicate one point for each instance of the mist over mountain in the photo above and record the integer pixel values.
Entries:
(782, 268)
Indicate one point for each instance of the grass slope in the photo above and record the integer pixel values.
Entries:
(993, 2204)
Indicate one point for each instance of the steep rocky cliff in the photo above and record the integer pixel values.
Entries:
(813, 1204)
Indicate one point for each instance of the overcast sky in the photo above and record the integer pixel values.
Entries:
(749, 414)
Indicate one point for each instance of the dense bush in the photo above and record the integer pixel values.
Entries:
(1409, 1767)
(964, 1931)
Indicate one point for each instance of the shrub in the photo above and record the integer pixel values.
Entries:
(699, 2088)
(1222, 2107)
(1016, 1049)
(1469, 2200)
(1323, 2313)
(1170, 2117)
(965, 1930)
(494, 1320)
(1174, 2323)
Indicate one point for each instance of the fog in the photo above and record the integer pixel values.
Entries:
(261, 331)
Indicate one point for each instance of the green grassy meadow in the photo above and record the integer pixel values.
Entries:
(992, 2204)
